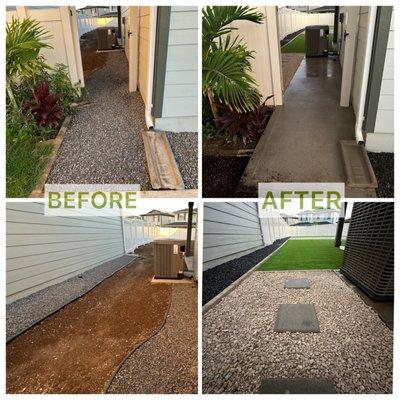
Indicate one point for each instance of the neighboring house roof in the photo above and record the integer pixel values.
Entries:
(158, 212)
(185, 210)
(323, 9)
(327, 210)
(284, 215)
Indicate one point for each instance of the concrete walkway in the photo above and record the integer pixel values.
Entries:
(301, 141)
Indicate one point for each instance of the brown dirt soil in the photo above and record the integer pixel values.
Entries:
(290, 64)
(91, 60)
(77, 349)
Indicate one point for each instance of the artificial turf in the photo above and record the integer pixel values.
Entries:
(298, 44)
(304, 254)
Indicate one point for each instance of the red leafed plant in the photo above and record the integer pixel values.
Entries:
(249, 125)
(44, 107)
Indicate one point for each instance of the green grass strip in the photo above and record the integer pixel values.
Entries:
(25, 164)
(304, 254)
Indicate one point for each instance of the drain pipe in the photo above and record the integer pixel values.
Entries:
(150, 70)
(365, 75)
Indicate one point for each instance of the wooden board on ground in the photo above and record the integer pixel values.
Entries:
(163, 169)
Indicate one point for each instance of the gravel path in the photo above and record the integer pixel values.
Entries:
(167, 363)
(216, 279)
(354, 347)
(184, 146)
(26, 312)
(103, 143)
(383, 165)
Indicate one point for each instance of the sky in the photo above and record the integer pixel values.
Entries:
(146, 205)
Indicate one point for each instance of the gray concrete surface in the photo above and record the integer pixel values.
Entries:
(296, 318)
(302, 283)
(297, 386)
(26, 312)
(301, 141)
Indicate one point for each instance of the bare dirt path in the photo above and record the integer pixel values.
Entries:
(78, 349)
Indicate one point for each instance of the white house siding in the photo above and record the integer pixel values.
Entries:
(382, 139)
(144, 51)
(43, 250)
(231, 230)
(179, 112)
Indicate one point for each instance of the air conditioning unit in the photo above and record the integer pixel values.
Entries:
(169, 262)
(106, 38)
(369, 253)
(317, 40)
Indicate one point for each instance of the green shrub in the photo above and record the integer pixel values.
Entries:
(20, 127)
(61, 86)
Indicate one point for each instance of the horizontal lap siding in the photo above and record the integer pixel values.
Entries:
(385, 115)
(43, 251)
(180, 90)
(144, 50)
(231, 230)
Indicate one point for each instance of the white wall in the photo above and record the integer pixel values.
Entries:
(179, 111)
(382, 139)
(42, 250)
(231, 230)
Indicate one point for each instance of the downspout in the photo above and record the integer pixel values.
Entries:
(365, 75)
(150, 74)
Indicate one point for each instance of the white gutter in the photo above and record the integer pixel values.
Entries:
(365, 75)
(150, 70)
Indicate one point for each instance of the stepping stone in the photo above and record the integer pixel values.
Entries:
(302, 283)
(297, 386)
(296, 318)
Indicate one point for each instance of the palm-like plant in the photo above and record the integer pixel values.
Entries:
(24, 40)
(226, 61)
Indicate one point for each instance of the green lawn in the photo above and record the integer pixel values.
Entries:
(298, 44)
(304, 254)
(25, 164)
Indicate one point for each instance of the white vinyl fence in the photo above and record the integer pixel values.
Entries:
(87, 24)
(138, 233)
(273, 228)
(293, 20)
(328, 230)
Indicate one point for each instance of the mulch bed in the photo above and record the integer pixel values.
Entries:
(383, 165)
(78, 349)
(216, 279)
(222, 174)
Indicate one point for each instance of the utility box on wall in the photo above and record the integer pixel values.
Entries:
(169, 262)
(369, 253)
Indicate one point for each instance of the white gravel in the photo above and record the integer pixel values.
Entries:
(354, 347)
